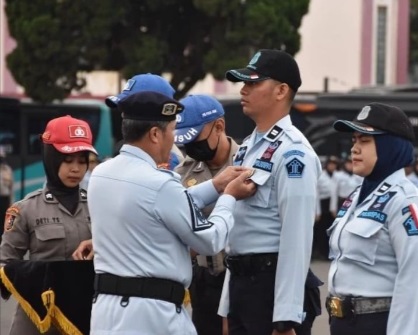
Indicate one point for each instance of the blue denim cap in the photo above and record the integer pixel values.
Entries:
(198, 111)
(140, 83)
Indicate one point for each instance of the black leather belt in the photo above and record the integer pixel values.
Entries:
(251, 264)
(151, 288)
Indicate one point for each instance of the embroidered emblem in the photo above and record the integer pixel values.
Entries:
(381, 201)
(411, 226)
(199, 221)
(295, 168)
(239, 156)
(191, 182)
(11, 215)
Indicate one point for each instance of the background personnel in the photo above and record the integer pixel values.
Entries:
(270, 246)
(6, 186)
(144, 221)
(374, 239)
(201, 129)
(346, 180)
(52, 222)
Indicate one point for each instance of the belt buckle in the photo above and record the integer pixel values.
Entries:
(336, 307)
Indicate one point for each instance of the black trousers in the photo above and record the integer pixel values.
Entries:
(252, 302)
(205, 294)
(364, 324)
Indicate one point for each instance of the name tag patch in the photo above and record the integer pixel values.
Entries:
(263, 165)
(374, 215)
(295, 168)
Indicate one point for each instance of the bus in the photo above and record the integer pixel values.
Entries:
(21, 124)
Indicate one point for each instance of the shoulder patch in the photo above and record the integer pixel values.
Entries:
(295, 168)
(11, 214)
(199, 221)
(411, 223)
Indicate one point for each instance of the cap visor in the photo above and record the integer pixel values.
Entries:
(243, 75)
(110, 101)
(187, 135)
(74, 147)
(349, 127)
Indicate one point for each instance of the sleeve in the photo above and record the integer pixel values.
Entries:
(403, 230)
(185, 219)
(15, 239)
(223, 309)
(203, 194)
(297, 202)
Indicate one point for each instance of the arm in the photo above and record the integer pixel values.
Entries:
(405, 244)
(297, 206)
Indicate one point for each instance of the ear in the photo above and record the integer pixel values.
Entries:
(154, 134)
(220, 125)
(281, 91)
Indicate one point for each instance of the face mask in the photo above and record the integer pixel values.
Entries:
(200, 150)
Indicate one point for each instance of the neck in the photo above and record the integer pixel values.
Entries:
(222, 153)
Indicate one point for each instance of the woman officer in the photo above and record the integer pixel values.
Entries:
(374, 239)
(50, 223)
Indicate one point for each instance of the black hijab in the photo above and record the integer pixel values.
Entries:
(67, 196)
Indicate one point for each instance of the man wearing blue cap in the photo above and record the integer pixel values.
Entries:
(144, 222)
(148, 82)
(201, 130)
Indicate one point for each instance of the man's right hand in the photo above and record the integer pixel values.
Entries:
(241, 187)
(221, 180)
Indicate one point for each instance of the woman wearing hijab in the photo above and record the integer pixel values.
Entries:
(374, 239)
(52, 222)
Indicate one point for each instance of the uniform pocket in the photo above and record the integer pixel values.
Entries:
(50, 232)
(261, 197)
(363, 240)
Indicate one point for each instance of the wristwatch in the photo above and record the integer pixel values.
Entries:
(284, 326)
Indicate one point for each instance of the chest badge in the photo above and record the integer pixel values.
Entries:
(191, 182)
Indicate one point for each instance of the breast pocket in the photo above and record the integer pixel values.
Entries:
(363, 240)
(262, 195)
(50, 232)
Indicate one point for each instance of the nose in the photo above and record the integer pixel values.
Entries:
(243, 90)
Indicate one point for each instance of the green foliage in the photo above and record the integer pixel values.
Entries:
(59, 39)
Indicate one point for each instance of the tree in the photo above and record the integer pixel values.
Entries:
(58, 40)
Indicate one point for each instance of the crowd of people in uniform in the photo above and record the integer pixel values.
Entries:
(235, 224)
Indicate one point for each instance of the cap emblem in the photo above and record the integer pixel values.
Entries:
(254, 59)
(169, 109)
(78, 131)
(129, 84)
(179, 119)
(364, 114)
(46, 136)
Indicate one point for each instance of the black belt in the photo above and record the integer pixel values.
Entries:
(251, 264)
(349, 306)
(151, 288)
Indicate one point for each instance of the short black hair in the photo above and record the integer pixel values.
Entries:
(133, 130)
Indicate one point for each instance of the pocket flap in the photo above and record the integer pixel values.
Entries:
(50, 232)
(364, 228)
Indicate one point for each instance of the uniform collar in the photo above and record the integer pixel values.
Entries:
(138, 152)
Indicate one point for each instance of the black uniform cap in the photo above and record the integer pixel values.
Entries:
(377, 118)
(149, 106)
(269, 64)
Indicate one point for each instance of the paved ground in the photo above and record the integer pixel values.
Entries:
(320, 327)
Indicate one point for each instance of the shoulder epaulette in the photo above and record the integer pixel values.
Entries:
(33, 194)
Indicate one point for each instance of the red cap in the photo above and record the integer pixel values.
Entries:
(69, 135)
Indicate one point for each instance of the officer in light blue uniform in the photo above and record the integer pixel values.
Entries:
(374, 239)
(270, 247)
(143, 221)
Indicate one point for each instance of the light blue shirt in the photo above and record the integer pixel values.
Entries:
(374, 248)
(143, 222)
(280, 216)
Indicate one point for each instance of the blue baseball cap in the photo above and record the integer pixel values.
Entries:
(140, 83)
(198, 111)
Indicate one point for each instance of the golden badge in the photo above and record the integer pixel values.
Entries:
(191, 182)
